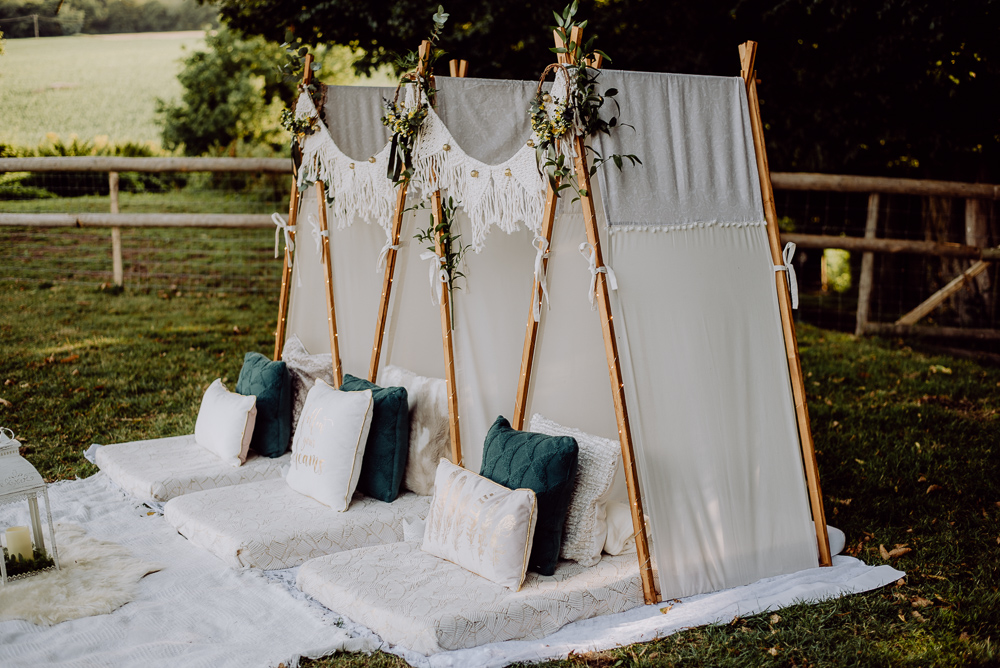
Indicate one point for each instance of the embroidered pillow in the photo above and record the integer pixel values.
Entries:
(304, 369)
(545, 464)
(586, 525)
(225, 423)
(480, 525)
(269, 382)
(330, 444)
(430, 436)
(621, 535)
(388, 440)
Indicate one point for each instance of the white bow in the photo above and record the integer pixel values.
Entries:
(588, 251)
(282, 226)
(793, 285)
(541, 245)
(383, 255)
(317, 234)
(438, 275)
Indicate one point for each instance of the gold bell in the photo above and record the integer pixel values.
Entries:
(351, 165)
(507, 172)
(447, 147)
(372, 159)
(546, 98)
(531, 144)
(474, 173)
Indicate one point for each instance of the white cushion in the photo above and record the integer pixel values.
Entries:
(304, 369)
(329, 444)
(586, 525)
(481, 526)
(430, 435)
(621, 536)
(225, 423)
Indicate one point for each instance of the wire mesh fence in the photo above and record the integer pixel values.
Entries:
(242, 260)
(154, 259)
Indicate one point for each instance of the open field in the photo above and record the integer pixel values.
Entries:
(907, 446)
(89, 85)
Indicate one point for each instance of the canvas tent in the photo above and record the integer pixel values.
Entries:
(700, 336)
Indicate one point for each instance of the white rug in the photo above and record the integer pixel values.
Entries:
(96, 577)
(195, 612)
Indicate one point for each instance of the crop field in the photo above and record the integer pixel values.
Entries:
(89, 85)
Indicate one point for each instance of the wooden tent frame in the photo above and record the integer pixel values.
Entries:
(459, 69)
(748, 55)
(650, 593)
(286, 269)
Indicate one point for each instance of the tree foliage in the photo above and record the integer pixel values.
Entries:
(104, 16)
(233, 92)
(896, 87)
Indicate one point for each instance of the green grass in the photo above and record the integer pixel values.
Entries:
(89, 85)
(79, 365)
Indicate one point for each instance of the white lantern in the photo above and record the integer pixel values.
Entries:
(19, 481)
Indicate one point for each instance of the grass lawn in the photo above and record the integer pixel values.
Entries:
(907, 445)
(89, 85)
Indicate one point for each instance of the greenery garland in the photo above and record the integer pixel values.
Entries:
(405, 123)
(451, 245)
(555, 121)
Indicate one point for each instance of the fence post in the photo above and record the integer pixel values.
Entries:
(117, 269)
(867, 267)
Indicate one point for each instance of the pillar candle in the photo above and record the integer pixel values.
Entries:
(19, 542)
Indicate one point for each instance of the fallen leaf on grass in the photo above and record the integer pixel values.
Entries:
(773, 651)
(666, 609)
(775, 619)
(934, 488)
(69, 360)
(4, 402)
(898, 552)
(884, 552)
(917, 616)
(918, 602)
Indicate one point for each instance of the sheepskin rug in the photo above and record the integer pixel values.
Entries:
(96, 578)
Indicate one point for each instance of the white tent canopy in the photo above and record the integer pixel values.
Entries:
(698, 326)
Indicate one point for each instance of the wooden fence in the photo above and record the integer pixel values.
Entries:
(974, 194)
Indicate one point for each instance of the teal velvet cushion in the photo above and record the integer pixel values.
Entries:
(270, 383)
(545, 464)
(388, 440)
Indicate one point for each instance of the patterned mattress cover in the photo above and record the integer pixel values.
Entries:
(159, 469)
(429, 605)
(269, 525)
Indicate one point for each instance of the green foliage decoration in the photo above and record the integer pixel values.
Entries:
(403, 121)
(556, 122)
(452, 248)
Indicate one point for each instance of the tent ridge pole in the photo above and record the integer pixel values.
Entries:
(286, 266)
(338, 374)
(748, 54)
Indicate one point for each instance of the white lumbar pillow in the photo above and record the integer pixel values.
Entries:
(430, 436)
(329, 444)
(586, 525)
(481, 526)
(225, 423)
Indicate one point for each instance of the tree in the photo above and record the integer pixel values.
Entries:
(233, 93)
(896, 87)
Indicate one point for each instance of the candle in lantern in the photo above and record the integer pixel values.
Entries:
(19, 543)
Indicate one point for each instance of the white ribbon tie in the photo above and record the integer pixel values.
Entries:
(589, 252)
(541, 245)
(282, 226)
(793, 285)
(383, 255)
(317, 234)
(438, 275)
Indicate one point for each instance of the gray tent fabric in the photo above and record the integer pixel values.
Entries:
(463, 104)
(692, 134)
(353, 115)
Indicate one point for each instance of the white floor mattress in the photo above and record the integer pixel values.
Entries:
(269, 525)
(160, 469)
(428, 605)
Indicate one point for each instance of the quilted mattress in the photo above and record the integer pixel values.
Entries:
(269, 525)
(429, 605)
(159, 469)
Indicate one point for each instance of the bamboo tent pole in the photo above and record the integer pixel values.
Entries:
(650, 593)
(748, 53)
(324, 230)
(286, 265)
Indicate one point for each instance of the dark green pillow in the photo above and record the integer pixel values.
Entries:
(271, 384)
(388, 443)
(545, 464)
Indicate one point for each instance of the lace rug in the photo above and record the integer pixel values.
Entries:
(194, 612)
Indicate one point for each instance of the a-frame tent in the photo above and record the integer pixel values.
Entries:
(700, 344)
